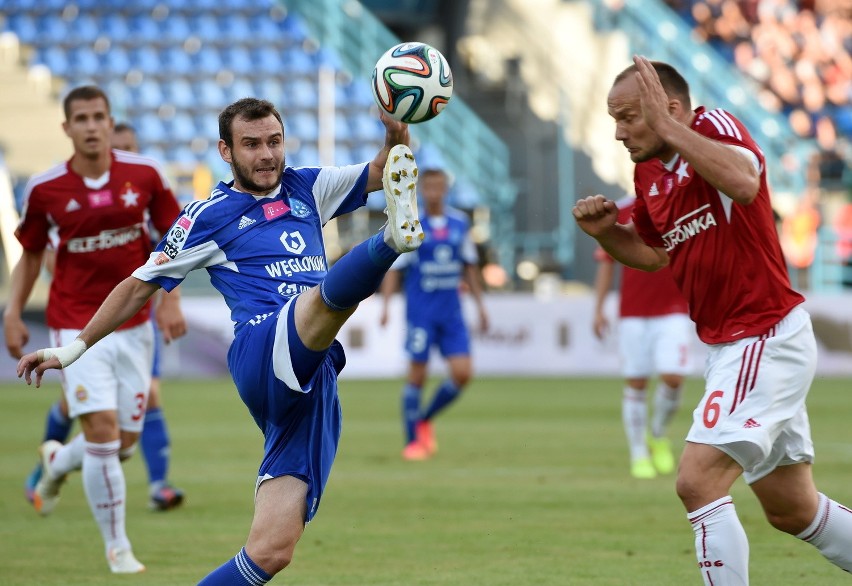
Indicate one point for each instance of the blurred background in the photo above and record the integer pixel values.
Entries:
(525, 135)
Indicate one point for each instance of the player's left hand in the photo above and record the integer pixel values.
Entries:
(36, 362)
(171, 321)
(484, 322)
(652, 96)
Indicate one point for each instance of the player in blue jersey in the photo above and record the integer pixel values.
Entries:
(154, 438)
(260, 240)
(433, 275)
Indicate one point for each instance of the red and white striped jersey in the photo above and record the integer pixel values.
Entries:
(725, 256)
(99, 229)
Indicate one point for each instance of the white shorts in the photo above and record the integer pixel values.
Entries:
(753, 407)
(655, 345)
(112, 375)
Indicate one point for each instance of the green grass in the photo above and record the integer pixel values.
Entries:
(530, 487)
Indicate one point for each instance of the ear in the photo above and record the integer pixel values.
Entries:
(65, 127)
(225, 152)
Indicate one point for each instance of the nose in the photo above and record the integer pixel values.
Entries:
(620, 133)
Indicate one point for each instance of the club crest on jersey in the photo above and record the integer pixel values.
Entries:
(274, 209)
(129, 196)
(293, 242)
(682, 173)
(99, 199)
(81, 394)
(299, 208)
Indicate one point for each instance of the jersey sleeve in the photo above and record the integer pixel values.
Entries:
(187, 246)
(644, 226)
(340, 190)
(34, 227)
(468, 251)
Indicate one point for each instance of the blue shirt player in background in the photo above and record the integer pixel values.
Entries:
(433, 276)
(260, 239)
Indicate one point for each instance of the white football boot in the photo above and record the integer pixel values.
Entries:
(122, 561)
(399, 180)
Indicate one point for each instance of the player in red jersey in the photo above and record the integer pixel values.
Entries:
(703, 208)
(654, 335)
(94, 208)
(154, 439)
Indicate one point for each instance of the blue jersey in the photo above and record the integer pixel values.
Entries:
(258, 251)
(433, 272)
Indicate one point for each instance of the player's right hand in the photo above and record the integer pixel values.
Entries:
(17, 335)
(595, 214)
(36, 362)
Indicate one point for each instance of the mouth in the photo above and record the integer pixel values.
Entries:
(265, 171)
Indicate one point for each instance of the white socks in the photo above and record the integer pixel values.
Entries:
(103, 481)
(634, 415)
(831, 532)
(666, 403)
(720, 544)
(69, 457)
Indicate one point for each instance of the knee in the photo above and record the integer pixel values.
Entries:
(272, 559)
(673, 381)
(460, 379)
(788, 521)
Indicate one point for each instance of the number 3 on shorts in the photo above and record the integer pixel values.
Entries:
(712, 409)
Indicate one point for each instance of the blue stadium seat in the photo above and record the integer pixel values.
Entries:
(238, 60)
(234, 28)
(120, 97)
(267, 60)
(84, 61)
(116, 61)
(271, 89)
(210, 95)
(146, 59)
(144, 28)
(360, 94)
(208, 61)
(179, 93)
(344, 156)
(302, 125)
(295, 28)
(300, 93)
(55, 59)
(150, 129)
(241, 88)
(175, 60)
(342, 131)
(205, 27)
(208, 127)
(366, 127)
(297, 61)
(306, 156)
(265, 30)
(24, 26)
(182, 128)
(175, 29)
(149, 95)
(83, 29)
(52, 28)
(115, 26)
(182, 155)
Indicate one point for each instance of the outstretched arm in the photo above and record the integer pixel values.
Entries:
(126, 299)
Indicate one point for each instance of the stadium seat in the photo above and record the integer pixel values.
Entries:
(270, 89)
(241, 88)
(210, 95)
(208, 61)
(182, 128)
(208, 127)
(84, 61)
(146, 59)
(179, 93)
(149, 95)
(303, 125)
(150, 129)
(55, 59)
(300, 93)
(205, 27)
(267, 60)
(52, 28)
(175, 29)
(238, 60)
(116, 61)
(234, 28)
(176, 61)
(144, 28)
(266, 30)
(115, 27)
(24, 26)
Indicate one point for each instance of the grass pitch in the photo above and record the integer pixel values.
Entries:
(530, 487)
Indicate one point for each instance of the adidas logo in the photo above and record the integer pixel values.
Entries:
(750, 423)
(245, 221)
(653, 191)
(72, 206)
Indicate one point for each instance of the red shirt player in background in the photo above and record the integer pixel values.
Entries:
(703, 208)
(654, 336)
(94, 209)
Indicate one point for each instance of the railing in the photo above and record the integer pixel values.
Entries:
(470, 148)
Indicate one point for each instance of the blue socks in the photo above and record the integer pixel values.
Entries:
(155, 447)
(57, 426)
(358, 273)
(410, 411)
(446, 394)
(238, 571)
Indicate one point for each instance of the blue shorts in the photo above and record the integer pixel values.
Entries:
(301, 424)
(447, 331)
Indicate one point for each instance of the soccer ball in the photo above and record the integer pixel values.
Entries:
(412, 82)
